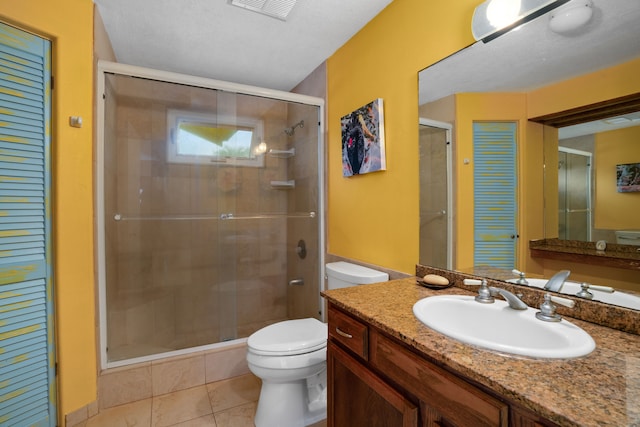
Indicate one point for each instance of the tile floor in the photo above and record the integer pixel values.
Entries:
(228, 403)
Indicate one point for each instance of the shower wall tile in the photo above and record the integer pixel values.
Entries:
(164, 331)
(125, 385)
(192, 306)
(226, 363)
(140, 321)
(203, 99)
(139, 122)
(178, 374)
(133, 271)
(168, 269)
(177, 198)
(175, 237)
(261, 301)
(158, 116)
(117, 336)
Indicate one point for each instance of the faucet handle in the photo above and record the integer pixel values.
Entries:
(562, 301)
(484, 293)
(584, 292)
(587, 294)
(607, 289)
(547, 311)
(521, 279)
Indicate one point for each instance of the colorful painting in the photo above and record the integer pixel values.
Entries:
(628, 177)
(363, 140)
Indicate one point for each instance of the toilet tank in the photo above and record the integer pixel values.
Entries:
(628, 237)
(344, 274)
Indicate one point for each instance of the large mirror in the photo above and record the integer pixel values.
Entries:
(533, 59)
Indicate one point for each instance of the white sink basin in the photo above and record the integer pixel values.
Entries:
(500, 328)
(571, 288)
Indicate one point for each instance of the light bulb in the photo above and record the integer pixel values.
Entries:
(502, 13)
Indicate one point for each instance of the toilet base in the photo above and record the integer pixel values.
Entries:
(287, 404)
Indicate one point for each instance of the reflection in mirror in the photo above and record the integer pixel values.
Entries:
(574, 194)
(435, 194)
(522, 67)
(590, 206)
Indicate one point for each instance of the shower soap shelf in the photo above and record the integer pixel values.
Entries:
(283, 185)
(283, 153)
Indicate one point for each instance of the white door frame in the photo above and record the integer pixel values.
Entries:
(448, 132)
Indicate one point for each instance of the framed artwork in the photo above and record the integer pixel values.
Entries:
(363, 140)
(628, 177)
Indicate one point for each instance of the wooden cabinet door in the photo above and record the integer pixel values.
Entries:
(357, 397)
(448, 400)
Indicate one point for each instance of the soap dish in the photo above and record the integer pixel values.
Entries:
(433, 281)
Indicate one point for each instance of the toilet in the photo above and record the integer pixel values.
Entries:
(290, 358)
(628, 237)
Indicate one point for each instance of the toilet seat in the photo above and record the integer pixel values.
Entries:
(289, 338)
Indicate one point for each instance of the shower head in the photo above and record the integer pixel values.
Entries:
(290, 131)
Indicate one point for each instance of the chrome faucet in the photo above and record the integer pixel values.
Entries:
(514, 301)
(486, 294)
(557, 281)
(547, 311)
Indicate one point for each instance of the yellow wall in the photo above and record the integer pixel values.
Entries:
(374, 217)
(603, 85)
(616, 211)
(69, 25)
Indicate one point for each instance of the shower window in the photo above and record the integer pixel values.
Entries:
(205, 138)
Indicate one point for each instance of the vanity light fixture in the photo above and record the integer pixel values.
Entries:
(571, 16)
(279, 9)
(493, 18)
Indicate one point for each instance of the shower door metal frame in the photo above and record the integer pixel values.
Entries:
(107, 67)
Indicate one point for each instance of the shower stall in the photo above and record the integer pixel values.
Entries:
(574, 194)
(210, 211)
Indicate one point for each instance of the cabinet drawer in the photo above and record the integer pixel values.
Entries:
(459, 402)
(349, 332)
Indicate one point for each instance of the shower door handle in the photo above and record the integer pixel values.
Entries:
(296, 282)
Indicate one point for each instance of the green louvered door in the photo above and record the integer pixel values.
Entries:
(494, 175)
(27, 361)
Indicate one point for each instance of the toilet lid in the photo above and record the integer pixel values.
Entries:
(289, 338)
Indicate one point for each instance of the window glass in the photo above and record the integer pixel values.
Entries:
(207, 138)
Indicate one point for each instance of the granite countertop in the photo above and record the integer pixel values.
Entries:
(619, 256)
(600, 389)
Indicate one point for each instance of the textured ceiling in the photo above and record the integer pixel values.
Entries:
(211, 38)
(534, 56)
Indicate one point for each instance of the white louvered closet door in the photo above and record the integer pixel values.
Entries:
(494, 156)
(27, 356)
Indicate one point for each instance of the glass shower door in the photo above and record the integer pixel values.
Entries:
(574, 194)
(206, 193)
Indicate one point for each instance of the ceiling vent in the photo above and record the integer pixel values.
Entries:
(279, 9)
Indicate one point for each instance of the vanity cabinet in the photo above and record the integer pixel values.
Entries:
(375, 380)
